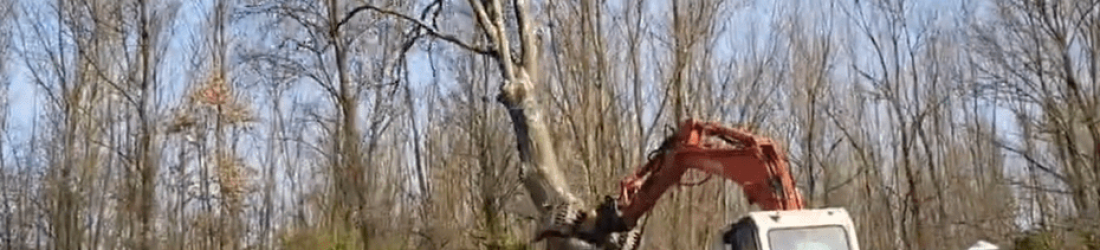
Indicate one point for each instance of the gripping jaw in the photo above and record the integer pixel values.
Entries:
(603, 228)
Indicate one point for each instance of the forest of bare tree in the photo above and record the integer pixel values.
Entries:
(432, 124)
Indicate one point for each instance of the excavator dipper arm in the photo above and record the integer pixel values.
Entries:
(754, 162)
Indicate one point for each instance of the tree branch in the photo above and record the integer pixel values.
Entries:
(420, 25)
(1033, 161)
(526, 36)
(1039, 188)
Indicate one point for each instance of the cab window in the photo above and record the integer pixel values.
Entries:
(809, 238)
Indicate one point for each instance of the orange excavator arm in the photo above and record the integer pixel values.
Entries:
(754, 162)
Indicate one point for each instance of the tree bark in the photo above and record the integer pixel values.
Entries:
(147, 163)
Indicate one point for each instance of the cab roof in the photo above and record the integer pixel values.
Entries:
(801, 218)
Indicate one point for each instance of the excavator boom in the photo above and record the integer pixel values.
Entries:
(754, 162)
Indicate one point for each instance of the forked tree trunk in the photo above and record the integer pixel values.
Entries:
(540, 173)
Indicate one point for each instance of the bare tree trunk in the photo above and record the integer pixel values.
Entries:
(542, 176)
(7, 177)
(350, 180)
(66, 201)
(147, 159)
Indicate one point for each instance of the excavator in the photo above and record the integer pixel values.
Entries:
(756, 163)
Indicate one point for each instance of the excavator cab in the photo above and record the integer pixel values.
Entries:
(813, 229)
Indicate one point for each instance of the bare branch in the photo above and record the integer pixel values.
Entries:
(1038, 188)
(526, 36)
(1032, 160)
(420, 25)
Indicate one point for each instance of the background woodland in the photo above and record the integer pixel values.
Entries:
(350, 124)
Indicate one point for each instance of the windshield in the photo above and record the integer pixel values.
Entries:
(809, 238)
